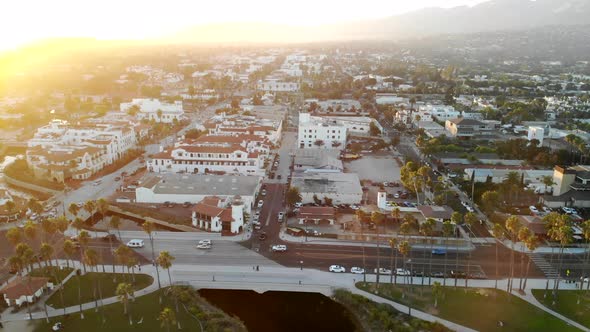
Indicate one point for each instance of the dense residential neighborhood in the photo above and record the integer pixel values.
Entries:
(430, 183)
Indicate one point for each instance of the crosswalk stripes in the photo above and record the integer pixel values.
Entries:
(543, 265)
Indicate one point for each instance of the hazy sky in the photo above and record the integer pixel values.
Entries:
(26, 20)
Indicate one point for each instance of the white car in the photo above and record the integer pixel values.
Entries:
(203, 246)
(263, 192)
(205, 242)
(567, 210)
(279, 248)
(337, 269)
(470, 209)
(383, 270)
(546, 209)
(533, 209)
(135, 243)
(298, 204)
(260, 203)
(280, 216)
(354, 207)
(402, 272)
(357, 270)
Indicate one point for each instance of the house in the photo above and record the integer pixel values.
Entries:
(25, 289)
(316, 214)
(180, 188)
(341, 188)
(467, 128)
(438, 213)
(571, 187)
(215, 214)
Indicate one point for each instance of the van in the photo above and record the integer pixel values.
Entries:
(135, 243)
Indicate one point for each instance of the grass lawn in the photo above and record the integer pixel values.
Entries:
(54, 273)
(87, 281)
(567, 304)
(479, 309)
(145, 311)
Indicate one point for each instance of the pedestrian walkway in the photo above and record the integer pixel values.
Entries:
(543, 265)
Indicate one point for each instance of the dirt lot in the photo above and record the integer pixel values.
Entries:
(375, 168)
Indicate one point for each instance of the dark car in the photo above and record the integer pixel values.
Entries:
(186, 204)
(279, 176)
(439, 252)
(262, 236)
(118, 178)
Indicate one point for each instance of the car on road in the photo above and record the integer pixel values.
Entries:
(439, 252)
(203, 246)
(279, 248)
(383, 270)
(262, 236)
(337, 269)
(263, 192)
(276, 164)
(206, 242)
(402, 272)
(135, 243)
(117, 178)
(260, 203)
(279, 176)
(97, 183)
(280, 216)
(357, 270)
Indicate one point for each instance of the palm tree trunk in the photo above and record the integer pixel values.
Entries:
(155, 263)
(378, 260)
(169, 277)
(526, 275)
(80, 297)
(445, 261)
(496, 265)
(430, 262)
(391, 265)
(456, 257)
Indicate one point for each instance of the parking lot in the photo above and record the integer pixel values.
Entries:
(375, 168)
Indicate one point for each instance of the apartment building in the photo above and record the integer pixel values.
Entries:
(467, 128)
(317, 132)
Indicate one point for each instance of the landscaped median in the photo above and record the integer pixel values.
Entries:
(573, 304)
(147, 314)
(89, 284)
(482, 309)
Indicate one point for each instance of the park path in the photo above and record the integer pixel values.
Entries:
(289, 279)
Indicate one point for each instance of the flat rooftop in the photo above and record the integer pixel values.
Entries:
(194, 184)
(336, 183)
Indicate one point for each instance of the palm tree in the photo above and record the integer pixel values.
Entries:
(457, 219)
(165, 261)
(547, 181)
(512, 226)
(498, 232)
(149, 228)
(523, 234)
(16, 263)
(115, 223)
(69, 250)
(559, 230)
(91, 259)
(47, 228)
(30, 230)
(90, 207)
(393, 247)
(45, 252)
(532, 243)
(428, 230)
(586, 234)
(74, 209)
(360, 215)
(14, 236)
(470, 218)
(404, 249)
(83, 239)
(167, 318)
(448, 229)
(124, 292)
(377, 218)
(122, 254)
(436, 291)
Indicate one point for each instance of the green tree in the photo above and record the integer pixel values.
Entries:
(293, 196)
(45, 252)
(559, 230)
(448, 230)
(512, 227)
(167, 318)
(69, 250)
(436, 292)
(124, 292)
(393, 261)
(149, 228)
(115, 223)
(427, 229)
(14, 236)
(498, 232)
(165, 261)
(378, 219)
(74, 209)
(532, 243)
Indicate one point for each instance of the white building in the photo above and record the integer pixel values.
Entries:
(389, 99)
(219, 215)
(530, 177)
(341, 188)
(180, 188)
(441, 112)
(154, 109)
(537, 133)
(273, 85)
(317, 132)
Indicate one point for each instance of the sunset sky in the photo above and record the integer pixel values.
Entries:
(24, 21)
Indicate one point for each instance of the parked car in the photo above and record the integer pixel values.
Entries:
(260, 203)
(337, 269)
(533, 209)
(357, 270)
(438, 274)
(263, 192)
(458, 274)
(298, 204)
(546, 209)
(203, 246)
(135, 243)
(280, 216)
(186, 204)
(383, 270)
(402, 272)
(279, 248)
(262, 236)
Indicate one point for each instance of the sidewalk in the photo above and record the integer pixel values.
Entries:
(337, 242)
